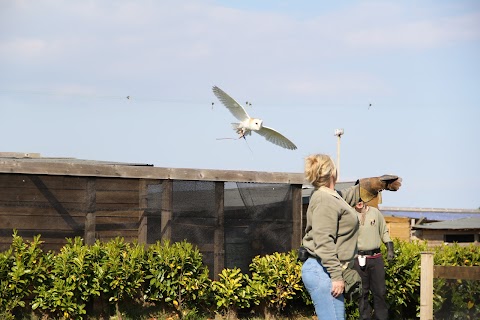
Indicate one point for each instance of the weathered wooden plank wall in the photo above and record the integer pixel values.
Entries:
(63, 206)
(97, 201)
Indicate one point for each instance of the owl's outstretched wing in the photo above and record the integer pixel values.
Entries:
(235, 108)
(276, 138)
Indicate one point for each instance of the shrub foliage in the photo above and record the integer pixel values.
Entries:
(80, 280)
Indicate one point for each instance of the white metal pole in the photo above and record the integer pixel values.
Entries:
(338, 157)
(338, 133)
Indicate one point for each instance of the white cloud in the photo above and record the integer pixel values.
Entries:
(191, 30)
(420, 34)
(339, 84)
(157, 39)
(25, 48)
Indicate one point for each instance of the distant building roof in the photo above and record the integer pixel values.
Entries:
(430, 214)
(459, 224)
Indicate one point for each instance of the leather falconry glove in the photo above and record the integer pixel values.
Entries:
(390, 253)
(370, 187)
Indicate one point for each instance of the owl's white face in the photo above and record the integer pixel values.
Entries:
(255, 124)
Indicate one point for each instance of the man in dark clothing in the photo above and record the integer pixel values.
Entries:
(369, 263)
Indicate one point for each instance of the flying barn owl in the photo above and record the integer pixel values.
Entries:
(248, 124)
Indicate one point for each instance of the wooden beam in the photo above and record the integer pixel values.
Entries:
(219, 237)
(167, 209)
(297, 216)
(76, 168)
(456, 272)
(142, 201)
(91, 201)
(426, 286)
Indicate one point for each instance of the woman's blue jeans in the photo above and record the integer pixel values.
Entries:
(319, 285)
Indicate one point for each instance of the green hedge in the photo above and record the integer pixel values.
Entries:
(131, 281)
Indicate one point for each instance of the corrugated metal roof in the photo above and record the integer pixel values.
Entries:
(459, 224)
(430, 214)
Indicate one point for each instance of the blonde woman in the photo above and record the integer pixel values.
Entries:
(331, 234)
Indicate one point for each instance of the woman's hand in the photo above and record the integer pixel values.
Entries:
(337, 288)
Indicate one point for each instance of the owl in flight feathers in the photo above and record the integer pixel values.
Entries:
(247, 124)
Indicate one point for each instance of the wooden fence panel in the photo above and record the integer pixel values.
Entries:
(429, 271)
(456, 272)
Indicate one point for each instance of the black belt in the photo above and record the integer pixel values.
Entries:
(368, 252)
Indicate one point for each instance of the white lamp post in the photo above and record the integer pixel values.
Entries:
(338, 133)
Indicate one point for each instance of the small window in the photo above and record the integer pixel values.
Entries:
(459, 238)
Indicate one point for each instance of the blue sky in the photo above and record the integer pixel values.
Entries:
(307, 68)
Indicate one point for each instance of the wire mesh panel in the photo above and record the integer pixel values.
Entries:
(150, 221)
(193, 216)
(258, 221)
